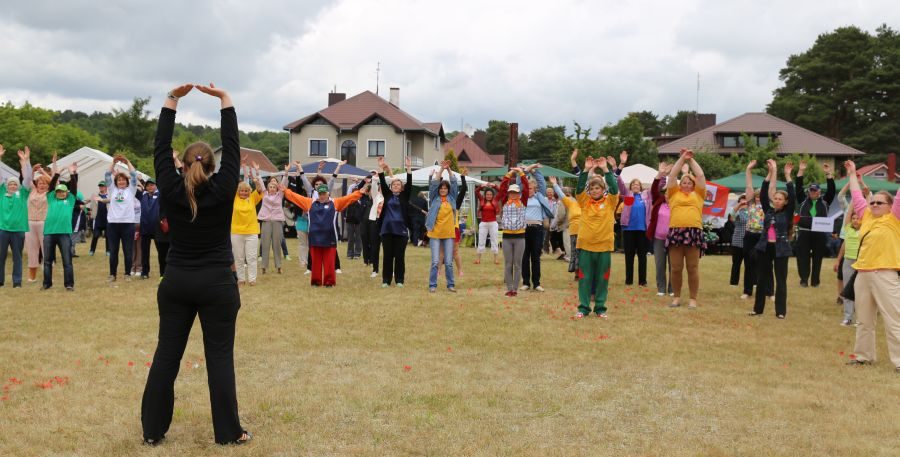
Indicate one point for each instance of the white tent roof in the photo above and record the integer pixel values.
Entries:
(92, 167)
(7, 172)
(420, 176)
(639, 171)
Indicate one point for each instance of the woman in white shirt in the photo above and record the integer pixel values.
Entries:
(120, 216)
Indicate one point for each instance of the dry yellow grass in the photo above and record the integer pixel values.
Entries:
(324, 371)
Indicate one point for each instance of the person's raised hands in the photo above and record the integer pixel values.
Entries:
(611, 161)
(802, 165)
(73, 169)
(850, 166)
(181, 90)
(788, 169)
(553, 180)
(752, 164)
(211, 89)
(601, 162)
(623, 158)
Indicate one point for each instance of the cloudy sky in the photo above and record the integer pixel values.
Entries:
(534, 62)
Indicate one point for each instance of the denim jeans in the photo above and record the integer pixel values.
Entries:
(436, 245)
(64, 242)
(16, 241)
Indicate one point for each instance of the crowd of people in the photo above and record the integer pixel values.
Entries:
(219, 228)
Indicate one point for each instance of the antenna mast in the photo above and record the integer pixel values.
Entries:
(377, 77)
(698, 93)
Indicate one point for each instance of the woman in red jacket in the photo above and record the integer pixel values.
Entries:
(488, 207)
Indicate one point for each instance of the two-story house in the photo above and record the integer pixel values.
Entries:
(362, 128)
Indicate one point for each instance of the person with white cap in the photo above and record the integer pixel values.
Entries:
(512, 198)
(14, 217)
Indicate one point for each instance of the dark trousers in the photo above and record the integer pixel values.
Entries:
(394, 258)
(16, 242)
(178, 305)
(354, 241)
(737, 259)
(415, 233)
(768, 265)
(556, 241)
(366, 235)
(635, 244)
(96, 237)
(117, 233)
(531, 260)
(64, 242)
(810, 251)
(162, 250)
(374, 246)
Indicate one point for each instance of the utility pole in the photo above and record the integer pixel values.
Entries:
(377, 77)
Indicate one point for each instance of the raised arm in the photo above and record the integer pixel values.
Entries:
(829, 184)
(698, 174)
(27, 176)
(749, 193)
(573, 159)
(227, 176)
(859, 202)
(672, 182)
(461, 196)
(798, 182)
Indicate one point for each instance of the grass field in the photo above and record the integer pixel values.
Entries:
(361, 370)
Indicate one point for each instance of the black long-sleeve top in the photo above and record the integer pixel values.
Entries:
(206, 241)
(804, 202)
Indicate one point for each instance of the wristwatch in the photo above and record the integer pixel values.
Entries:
(172, 97)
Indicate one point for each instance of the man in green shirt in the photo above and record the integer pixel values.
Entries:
(14, 217)
(58, 227)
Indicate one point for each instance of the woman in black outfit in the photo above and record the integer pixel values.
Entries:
(199, 207)
(393, 224)
(774, 248)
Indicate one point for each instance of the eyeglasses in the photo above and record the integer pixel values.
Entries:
(877, 203)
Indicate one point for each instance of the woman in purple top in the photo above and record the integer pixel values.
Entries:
(271, 217)
(658, 228)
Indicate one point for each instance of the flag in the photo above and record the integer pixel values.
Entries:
(716, 202)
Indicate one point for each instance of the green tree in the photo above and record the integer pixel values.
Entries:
(131, 129)
(844, 87)
(546, 145)
(677, 124)
(628, 135)
(498, 137)
(651, 122)
(451, 156)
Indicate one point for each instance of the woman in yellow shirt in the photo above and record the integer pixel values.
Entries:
(685, 239)
(245, 230)
(441, 224)
(877, 285)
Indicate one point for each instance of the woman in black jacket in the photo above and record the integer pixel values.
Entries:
(393, 224)
(774, 247)
(198, 209)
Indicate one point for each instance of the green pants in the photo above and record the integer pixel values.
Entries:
(595, 268)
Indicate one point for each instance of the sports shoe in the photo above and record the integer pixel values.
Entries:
(451, 289)
(524, 288)
(400, 285)
(373, 275)
(127, 278)
(432, 289)
(846, 322)
(744, 296)
(70, 289)
(579, 315)
(804, 284)
(385, 285)
(859, 363)
(539, 289)
(110, 278)
(602, 315)
(90, 253)
(307, 272)
(338, 271)
(287, 257)
(508, 293)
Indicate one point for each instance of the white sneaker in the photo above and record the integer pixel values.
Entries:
(338, 271)
(744, 296)
(524, 288)
(539, 289)
(373, 275)
(660, 294)
(307, 272)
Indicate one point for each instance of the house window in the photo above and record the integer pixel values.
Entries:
(409, 149)
(376, 148)
(318, 148)
(348, 151)
(437, 143)
(732, 141)
(762, 140)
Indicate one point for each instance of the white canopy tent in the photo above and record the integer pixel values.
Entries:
(420, 176)
(7, 172)
(92, 167)
(639, 171)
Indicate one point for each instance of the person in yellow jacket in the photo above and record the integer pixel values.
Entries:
(573, 213)
(245, 230)
(598, 197)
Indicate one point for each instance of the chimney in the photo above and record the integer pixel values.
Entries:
(395, 96)
(480, 138)
(892, 167)
(698, 122)
(336, 97)
(513, 144)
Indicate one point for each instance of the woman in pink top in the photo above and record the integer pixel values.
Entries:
(658, 229)
(272, 218)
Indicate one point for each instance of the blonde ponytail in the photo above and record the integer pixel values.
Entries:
(199, 164)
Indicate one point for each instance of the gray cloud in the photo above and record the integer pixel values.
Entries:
(521, 61)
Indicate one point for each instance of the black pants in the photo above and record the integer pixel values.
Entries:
(415, 232)
(810, 249)
(531, 260)
(375, 248)
(737, 259)
(162, 250)
(96, 236)
(556, 241)
(635, 244)
(179, 305)
(354, 240)
(767, 266)
(366, 237)
(120, 233)
(394, 258)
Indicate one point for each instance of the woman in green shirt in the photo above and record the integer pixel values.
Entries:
(14, 217)
(58, 227)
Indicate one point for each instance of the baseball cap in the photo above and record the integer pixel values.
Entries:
(814, 187)
(61, 187)
(101, 184)
(514, 188)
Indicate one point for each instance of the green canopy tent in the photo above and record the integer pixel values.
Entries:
(875, 185)
(546, 170)
(738, 183)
